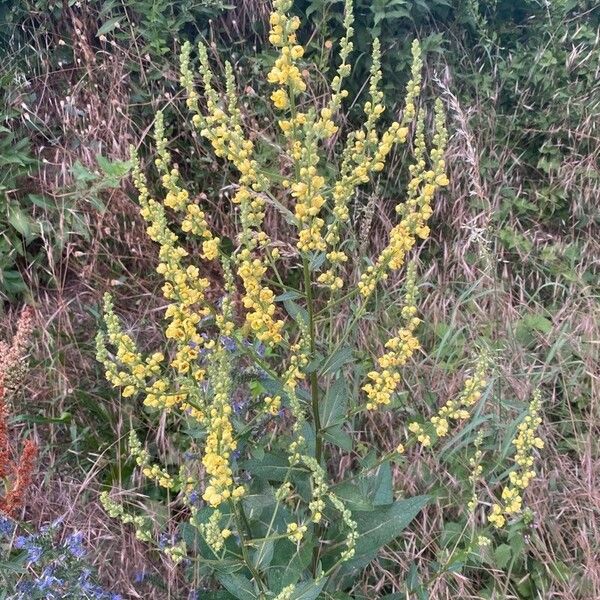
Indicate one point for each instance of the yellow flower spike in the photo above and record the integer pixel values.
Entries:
(183, 285)
(365, 155)
(413, 87)
(299, 358)
(417, 210)
(128, 369)
(224, 130)
(385, 381)
(471, 393)
(220, 442)
(525, 442)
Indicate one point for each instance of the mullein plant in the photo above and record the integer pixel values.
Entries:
(256, 380)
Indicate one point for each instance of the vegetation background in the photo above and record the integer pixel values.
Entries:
(514, 257)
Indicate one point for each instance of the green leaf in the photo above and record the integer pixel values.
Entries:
(335, 404)
(263, 555)
(237, 585)
(339, 358)
(384, 493)
(289, 295)
(308, 590)
(354, 496)
(297, 312)
(108, 26)
(502, 555)
(288, 564)
(273, 467)
(336, 435)
(378, 528)
(21, 221)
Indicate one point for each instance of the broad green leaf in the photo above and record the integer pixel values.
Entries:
(384, 493)
(502, 555)
(354, 496)
(21, 221)
(337, 360)
(308, 590)
(297, 312)
(263, 555)
(237, 585)
(289, 295)
(108, 26)
(336, 435)
(335, 404)
(380, 527)
(288, 564)
(272, 467)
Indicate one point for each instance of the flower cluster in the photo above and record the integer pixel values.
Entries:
(417, 209)
(470, 395)
(220, 442)
(285, 72)
(13, 365)
(223, 128)
(457, 409)
(364, 155)
(178, 198)
(384, 382)
(47, 568)
(213, 533)
(142, 459)
(526, 441)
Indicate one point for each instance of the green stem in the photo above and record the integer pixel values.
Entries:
(243, 528)
(314, 382)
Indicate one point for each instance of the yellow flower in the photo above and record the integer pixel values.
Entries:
(384, 382)
(280, 99)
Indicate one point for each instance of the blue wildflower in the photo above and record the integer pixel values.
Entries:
(75, 545)
(34, 552)
(7, 526)
(228, 343)
(48, 580)
(139, 577)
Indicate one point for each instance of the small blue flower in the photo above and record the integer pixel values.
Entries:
(34, 553)
(75, 545)
(164, 540)
(7, 526)
(47, 580)
(139, 577)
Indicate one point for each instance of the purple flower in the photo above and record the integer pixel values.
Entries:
(139, 577)
(47, 580)
(228, 343)
(34, 552)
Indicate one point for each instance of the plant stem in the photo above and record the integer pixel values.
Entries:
(314, 382)
(243, 528)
